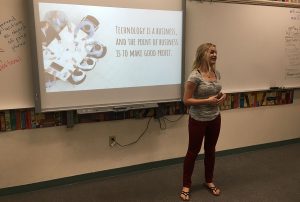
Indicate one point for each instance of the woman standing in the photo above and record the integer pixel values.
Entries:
(202, 95)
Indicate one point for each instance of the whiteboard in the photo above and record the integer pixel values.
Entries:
(258, 46)
(16, 86)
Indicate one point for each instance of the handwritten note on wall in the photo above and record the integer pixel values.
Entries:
(16, 84)
(13, 32)
(292, 46)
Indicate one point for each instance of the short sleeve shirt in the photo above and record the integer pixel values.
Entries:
(204, 89)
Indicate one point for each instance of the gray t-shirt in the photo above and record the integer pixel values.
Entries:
(204, 89)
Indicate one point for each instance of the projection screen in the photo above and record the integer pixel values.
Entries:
(107, 53)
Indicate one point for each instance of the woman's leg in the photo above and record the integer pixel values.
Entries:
(211, 138)
(196, 134)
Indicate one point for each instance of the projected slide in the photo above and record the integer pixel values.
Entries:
(92, 47)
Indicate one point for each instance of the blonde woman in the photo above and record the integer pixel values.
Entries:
(202, 95)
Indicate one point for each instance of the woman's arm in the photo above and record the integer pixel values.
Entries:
(188, 99)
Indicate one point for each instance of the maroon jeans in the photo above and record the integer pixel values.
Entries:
(199, 130)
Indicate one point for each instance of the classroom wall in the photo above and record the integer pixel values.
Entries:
(36, 155)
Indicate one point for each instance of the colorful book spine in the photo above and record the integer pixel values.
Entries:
(259, 99)
(247, 103)
(236, 100)
(228, 101)
(283, 100)
(242, 100)
(254, 98)
(18, 119)
(28, 119)
(263, 100)
(2, 122)
(58, 118)
(7, 120)
(278, 98)
(251, 99)
(13, 121)
(39, 117)
(23, 119)
(232, 101)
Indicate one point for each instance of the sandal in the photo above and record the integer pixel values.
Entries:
(213, 190)
(185, 197)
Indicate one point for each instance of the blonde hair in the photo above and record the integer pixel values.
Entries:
(201, 60)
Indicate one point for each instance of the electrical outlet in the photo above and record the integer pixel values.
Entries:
(112, 141)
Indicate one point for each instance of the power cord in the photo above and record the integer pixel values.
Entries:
(163, 119)
(142, 134)
(162, 125)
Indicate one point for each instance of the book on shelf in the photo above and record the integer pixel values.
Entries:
(13, 119)
(28, 119)
(100, 116)
(252, 99)
(172, 109)
(18, 120)
(84, 118)
(178, 107)
(38, 119)
(140, 113)
(246, 102)
(289, 96)
(7, 120)
(2, 121)
(282, 98)
(242, 100)
(130, 114)
(260, 98)
(119, 115)
(227, 103)
(279, 99)
(271, 98)
(58, 117)
(49, 120)
(232, 100)
(23, 119)
(236, 100)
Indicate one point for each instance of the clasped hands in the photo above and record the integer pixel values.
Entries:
(217, 99)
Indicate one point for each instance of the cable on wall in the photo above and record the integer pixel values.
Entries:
(141, 135)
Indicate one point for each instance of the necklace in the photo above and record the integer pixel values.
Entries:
(208, 74)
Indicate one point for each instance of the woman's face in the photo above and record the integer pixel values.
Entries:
(212, 55)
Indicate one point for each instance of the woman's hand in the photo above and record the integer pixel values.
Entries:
(213, 100)
(222, 97)
(189, 100)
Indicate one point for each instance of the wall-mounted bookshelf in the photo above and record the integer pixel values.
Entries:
(20, 119)
(257, 99)
(288, 1)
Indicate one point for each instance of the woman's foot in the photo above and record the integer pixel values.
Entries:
(213, 189)
(185, 194)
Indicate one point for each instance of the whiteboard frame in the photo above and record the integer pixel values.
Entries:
(256, 2)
